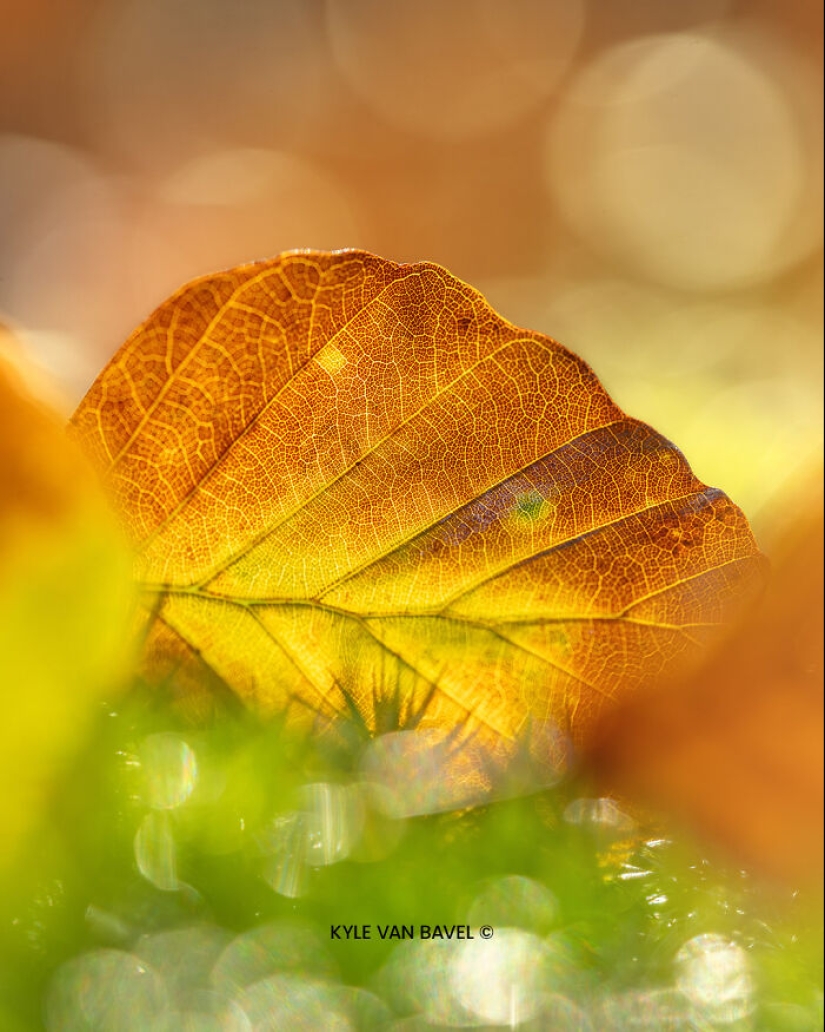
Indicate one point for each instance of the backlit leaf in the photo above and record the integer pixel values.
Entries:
(350, 483)
(736, 748)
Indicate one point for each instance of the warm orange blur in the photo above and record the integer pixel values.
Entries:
(638, 179)
(737, 749)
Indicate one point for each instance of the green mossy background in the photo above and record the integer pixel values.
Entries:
(625, 902)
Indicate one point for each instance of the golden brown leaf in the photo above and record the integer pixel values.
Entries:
(737, 748)
(348, 476)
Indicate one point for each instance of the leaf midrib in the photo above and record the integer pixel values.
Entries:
(286, 602)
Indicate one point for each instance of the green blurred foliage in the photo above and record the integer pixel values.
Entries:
(614, 904)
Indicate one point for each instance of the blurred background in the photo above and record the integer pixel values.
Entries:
(640, 179)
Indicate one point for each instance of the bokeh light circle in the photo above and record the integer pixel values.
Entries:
(681, 157)
(715, 975)
(454, 70)
(170, 769)
(502, 980)
(104, 989)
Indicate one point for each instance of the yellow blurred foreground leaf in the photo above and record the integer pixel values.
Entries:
(351, 483)
(65, 605)
(737, 748)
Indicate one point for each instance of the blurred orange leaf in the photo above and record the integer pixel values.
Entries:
(351, 482)
(737, 747)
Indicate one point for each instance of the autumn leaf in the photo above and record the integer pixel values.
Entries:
(65, 604)
(350, 481)
(736, 749)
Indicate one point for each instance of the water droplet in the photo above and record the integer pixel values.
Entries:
(170, 770)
